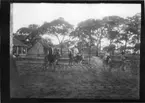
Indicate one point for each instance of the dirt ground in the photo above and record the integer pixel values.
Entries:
(77, 81)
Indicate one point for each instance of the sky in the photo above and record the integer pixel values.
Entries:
(26, 13)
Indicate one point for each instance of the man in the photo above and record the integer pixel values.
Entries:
(76, 51)
(57, 55)
(97, 53)
(123, 58)
(107, 60)
(79, 58)
(70, 55)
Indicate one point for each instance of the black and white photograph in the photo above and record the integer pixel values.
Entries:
(75, 50)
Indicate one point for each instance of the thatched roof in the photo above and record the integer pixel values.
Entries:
(21, 37)
(16, 42)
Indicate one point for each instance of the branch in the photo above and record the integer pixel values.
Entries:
(63, 38)
(57, 38)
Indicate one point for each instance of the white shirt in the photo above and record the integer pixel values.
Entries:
(106, 54)
(76, 51)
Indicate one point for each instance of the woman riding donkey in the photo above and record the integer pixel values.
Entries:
(74, 55)
(57, 55)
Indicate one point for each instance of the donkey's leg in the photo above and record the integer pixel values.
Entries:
(54, 65)
(49, 64)
(70, 61)
(44, 65)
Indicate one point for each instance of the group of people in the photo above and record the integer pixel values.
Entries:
(107, 59)
(54, 54)
(74, 56)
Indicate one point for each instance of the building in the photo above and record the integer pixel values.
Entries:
(36, 50)
(19, 48)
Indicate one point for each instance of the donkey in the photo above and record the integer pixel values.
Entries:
(52, 57)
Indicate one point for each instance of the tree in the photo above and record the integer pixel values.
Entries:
(46, 43)
(134, 28)
(131, 31)
(125, 36)
(31, 32)
(57, 28)
(24, 31)
(69, 43)
(81, 38)
(22, 38)
(87, 29)
(117, 42)
(113, 21)
(110, 48)
(116, 29)
(122, 48)
(112, 35)
(137, 47)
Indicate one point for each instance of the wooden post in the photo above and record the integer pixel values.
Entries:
(21, 50)
(17, 50)
(26, 50)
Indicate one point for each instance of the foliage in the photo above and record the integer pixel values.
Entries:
(57, 28)
(31, 32)
(46, 43)
(88, 33)
(137, 47)
(120, 29)
(110, 48)
(112, 35)
(88, 29)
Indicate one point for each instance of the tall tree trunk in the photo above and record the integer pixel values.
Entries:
(60, 43)
(99, 43)
(125, 46)
(90, 48)
(61, 48)
(110, 42)
(111, 50)
(138, 39)
(89, 53)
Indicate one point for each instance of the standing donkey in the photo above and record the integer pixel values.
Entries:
(51, 58)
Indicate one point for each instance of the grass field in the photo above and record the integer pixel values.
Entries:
(77, 81)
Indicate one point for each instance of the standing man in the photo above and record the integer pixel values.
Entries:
(97, 52)
(57, 55)
(76, 51)
(107, 58)
(123, 60)
(70, 55)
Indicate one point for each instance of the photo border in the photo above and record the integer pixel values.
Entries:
(5, 21)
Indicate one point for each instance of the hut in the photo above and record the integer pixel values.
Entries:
(36, 50)
(19, 48)
(39, 49)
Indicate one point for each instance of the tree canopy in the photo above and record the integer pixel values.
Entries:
(121, 32)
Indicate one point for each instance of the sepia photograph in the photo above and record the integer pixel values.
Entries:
(75, 50)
